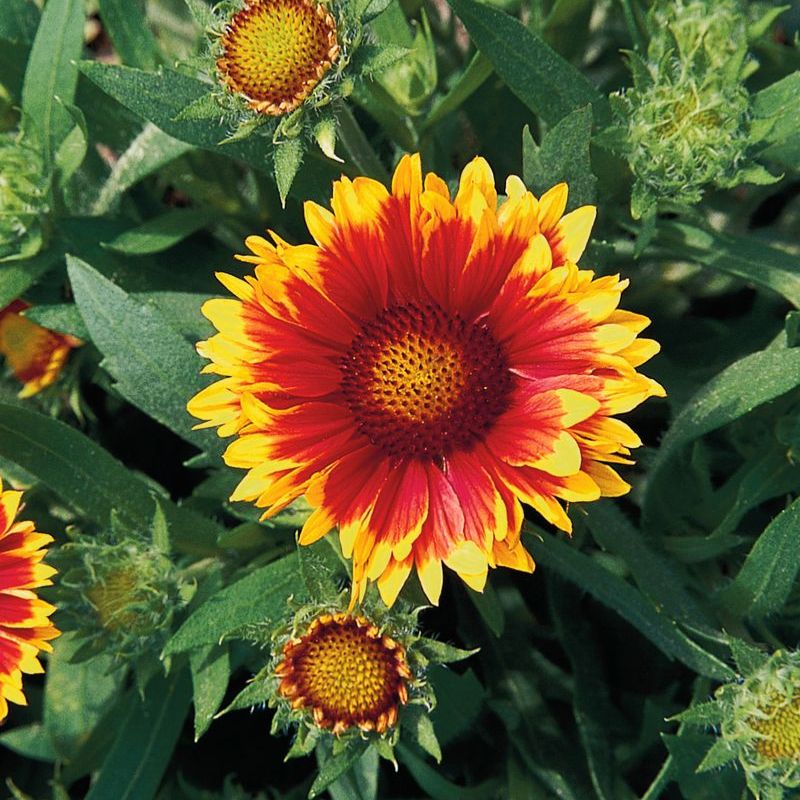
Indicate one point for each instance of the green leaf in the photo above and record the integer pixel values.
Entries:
(72, 150)
(540, 77)
(259, 689)
(156, 369)
(747, 657)
(418, 727)
(704, 714)
(159, 97)
(161, 233)
(562, 156)
(591, 702)
(260, 597)
(779, 103)
(321, 569)
(288, 156)
(91, 481)
(441, 652)
(459, 701)
(76, 695)
(30, 741)
(746, 384)
(201, 12)
(147, 153)
(361, 781)
(51, 75)
(16, 277)
(742, 256)
(488, 606)
(144, 744)
(629, 603)
(655, 574)
(722, 752)
(439, 788)
(469, 81)
(767, 576)
(127, 26)
(19, 20)
(211, 669)
(336, 766)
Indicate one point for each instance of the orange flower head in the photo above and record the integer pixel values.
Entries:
(34, 354)
(274, 52)
(345, 673)
(427, 365)
(25, 628)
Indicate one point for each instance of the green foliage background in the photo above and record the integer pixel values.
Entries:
(621, 627)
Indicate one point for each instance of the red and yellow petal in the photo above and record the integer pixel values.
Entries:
(35, 355)
(25, 628)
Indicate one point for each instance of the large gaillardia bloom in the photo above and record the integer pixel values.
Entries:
(34, 354)
(425, 366)
(25, 627)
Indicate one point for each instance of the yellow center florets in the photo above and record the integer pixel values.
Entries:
(276, 51)
(779, 729)
(346, 673)
(112, 598)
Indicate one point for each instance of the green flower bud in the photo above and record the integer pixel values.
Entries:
(687, 121)
(120, 597)
(758, 721)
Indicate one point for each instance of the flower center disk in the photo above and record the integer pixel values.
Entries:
(276, 51)
(423, 383)
(781, 730)
(346, 673)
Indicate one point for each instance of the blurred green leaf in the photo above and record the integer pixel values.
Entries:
(72, 150)
(51, 76)
(439, 788)
(476, 72)
(30, 741)
(655, 574)
(591, 701)
(744, 257)
(260, 597)
(629, 603)
(459, 701)
(76, 695)
(768, 574)
(154, 366)
(90, 480)
(749, 382)
(143, 746)
(540, 77)
(488, 606)
(19, 20)
(16, 277)
(127, 26)
(211, 669)
(779, 102)
(148, 152)
(161, 233)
